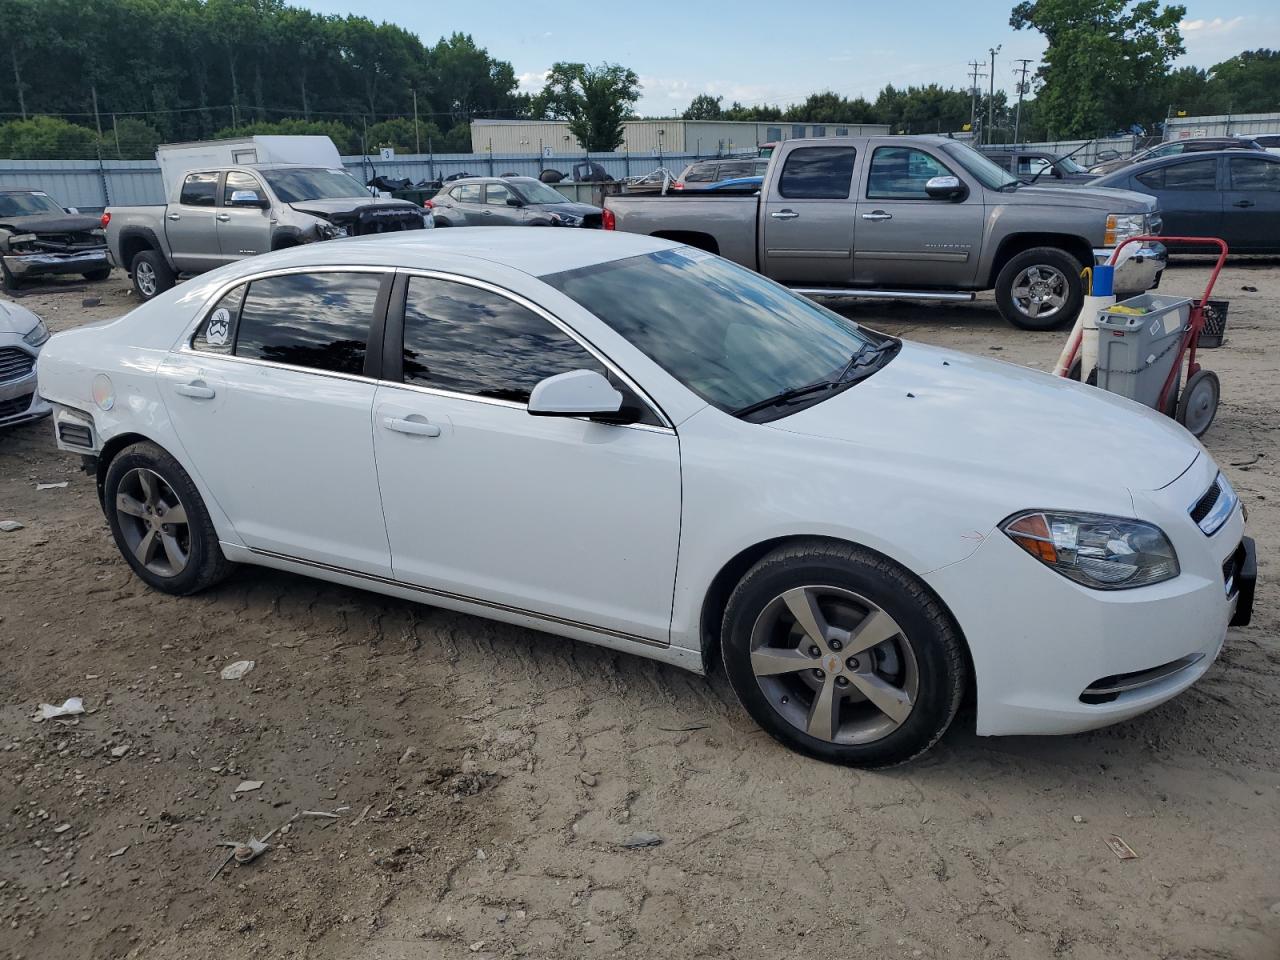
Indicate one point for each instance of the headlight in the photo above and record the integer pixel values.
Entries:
(37, 334)
(566, 220)
(330, 231)
(1106, 553)
(1122, 226)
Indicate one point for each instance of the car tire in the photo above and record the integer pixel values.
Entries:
(144, 485)
(1054, 290)
(152, 274)
(867, 707)
(97, 276)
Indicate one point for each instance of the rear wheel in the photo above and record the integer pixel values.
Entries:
(840, 654)
(152, 274)
(1040, 289)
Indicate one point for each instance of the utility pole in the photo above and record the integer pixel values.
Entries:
(974, 74)
(417, 141)
(97, 120)
(1022, 89)
(991, 96)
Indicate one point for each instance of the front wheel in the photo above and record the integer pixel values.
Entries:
(842, 655)
(1040, 289)
(160, 523)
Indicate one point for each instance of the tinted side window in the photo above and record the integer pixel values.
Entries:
(468, 194)
(316, 320)
(239, 181)
(701, 173)
(469, 340)
(739, 168)
(199, 190)
(818, 173)
(900, 173)
(1193, 175)
(1152, 179)
(217, 334)
(1248, 173)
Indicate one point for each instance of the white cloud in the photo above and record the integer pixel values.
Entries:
(1202, 26)
(532, 81)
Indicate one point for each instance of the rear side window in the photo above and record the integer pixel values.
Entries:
(217, 334)
(701, 173)
(739, 168)
(315, 320)
(818, 173)
(199, 190)
(468, 194)
(470, 340)
(1191, 175)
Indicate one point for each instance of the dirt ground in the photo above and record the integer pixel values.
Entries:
(485, 776)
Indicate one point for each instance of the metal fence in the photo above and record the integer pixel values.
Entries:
(91, 185)
(1223, 125)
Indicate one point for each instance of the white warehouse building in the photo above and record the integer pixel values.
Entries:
(654, 137)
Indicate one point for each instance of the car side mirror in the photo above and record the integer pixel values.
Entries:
(513, 202)
(248, 198)
(71, 209)
(944, 188)
(578, 393)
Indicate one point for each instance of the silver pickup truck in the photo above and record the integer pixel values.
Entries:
(915, 218)
(217, 216)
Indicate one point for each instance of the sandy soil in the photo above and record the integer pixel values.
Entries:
(485, 776)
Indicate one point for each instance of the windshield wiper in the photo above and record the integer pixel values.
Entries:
(863, 359)
(786, 396)
(865, 355)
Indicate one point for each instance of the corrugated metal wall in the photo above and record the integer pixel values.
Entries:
(1224, 125)
(706, 138)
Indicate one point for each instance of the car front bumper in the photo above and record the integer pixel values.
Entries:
(1053, 657)
(1141, 269)
(26, 265)
(19, 399)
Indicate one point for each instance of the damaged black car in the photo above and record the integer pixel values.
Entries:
(38, 238)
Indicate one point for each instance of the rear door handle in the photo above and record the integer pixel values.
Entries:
(417, 428)
(224, 217)
(196, 390)
(877, 215)
(784, 215)
(1243, 203)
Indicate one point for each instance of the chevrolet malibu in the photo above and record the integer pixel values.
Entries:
(637, 444)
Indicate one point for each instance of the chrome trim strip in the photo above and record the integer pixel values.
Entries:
(1222, 508)
(462, 598)
(1146, 677)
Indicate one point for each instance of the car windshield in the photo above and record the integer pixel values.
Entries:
(27, 204)
(725, 332)
(1071, 166)
(535, 192)
(313, 184)
(989, 174)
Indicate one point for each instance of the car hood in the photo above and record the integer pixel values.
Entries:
(327, 208)
(978, 420)
(1106, 199)
(16, 319)
(52, 223)
(569, 208)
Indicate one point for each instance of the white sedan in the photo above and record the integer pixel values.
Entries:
(637, 444)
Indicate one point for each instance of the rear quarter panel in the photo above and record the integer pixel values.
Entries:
(729, 222)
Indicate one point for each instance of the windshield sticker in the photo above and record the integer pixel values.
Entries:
(219, 331)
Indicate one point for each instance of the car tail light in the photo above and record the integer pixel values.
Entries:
(428, 204)
(106, 218)
(678, 185)
(609, 220)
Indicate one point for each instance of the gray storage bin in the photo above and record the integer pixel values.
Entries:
(1137, 351)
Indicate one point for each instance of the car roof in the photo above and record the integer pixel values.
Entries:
(462, 181)
(1142, 166)
(534, 252)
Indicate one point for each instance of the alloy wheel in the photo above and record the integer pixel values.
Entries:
(145, 275)
(154, 522)
(1040, 291)
(834, 665)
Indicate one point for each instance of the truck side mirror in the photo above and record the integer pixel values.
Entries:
(248, 198)
(945, 188)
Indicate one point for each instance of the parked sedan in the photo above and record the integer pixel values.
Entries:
(1232, 194)
(22, 334)
(509, 201)
(641, 445)
(1174, 148)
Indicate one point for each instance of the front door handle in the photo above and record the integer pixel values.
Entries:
(196, 390)
(877, 215)
(488, 213)
(417, 428)
(1243, 203)
(224, 217)
(175, 216)
(784, 215)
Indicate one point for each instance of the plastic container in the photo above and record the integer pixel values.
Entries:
(1137, 350)
(1215, 324)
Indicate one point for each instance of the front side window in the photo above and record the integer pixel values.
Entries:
(1249, 173)
(239, 182)
(818, 173)
(1192, 175)
(473, 341)
(900, 173)
(199, 190)
(497, 194)
(725, 332)
(315, 320)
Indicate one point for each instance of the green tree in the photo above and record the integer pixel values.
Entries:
(1248, 83)
(130, 139)
(1105, 60)
(704, 107)
(756, 114)
(46, 138)
(400, 134)
(829, 107)
(595, 101)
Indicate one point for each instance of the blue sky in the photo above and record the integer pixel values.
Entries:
(745, 51)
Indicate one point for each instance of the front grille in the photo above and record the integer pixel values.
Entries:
(1205, 503)
(15, 364)
(11, 408)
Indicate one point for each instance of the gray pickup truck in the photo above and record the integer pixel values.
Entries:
(915, 218)
(217, 216)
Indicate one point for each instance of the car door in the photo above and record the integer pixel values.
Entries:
(1187, 189)
(272, 399)
(497, 212)
(904, 236)
(1251, 204)
(244, 225)
(807, 217)
(469, 199)
(565, 518)
(190, 226)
